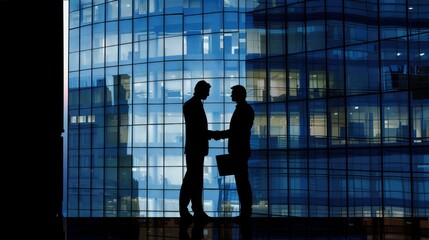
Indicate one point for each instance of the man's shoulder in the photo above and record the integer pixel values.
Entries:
(246, 105)
(249, 109)
(191, 101)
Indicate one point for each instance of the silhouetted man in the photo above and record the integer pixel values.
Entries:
(196, 148)
(239, 148)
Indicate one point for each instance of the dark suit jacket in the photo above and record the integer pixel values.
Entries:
(239, 131)
(197, 134)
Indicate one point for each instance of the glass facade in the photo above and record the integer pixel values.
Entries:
(339, 87)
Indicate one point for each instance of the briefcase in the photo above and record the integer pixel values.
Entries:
(225, 165)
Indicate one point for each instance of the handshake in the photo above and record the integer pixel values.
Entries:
(216, 135)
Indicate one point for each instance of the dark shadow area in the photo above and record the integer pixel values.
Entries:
(258, 228)
(32, 74)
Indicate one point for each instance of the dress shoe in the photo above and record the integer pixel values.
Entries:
(202, 217)
(186, 217)
(241, 219)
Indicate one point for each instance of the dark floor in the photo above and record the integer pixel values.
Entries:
(259, 228)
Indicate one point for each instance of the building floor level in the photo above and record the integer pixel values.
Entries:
(258, 228)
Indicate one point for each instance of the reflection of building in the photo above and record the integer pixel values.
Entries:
(339, 90)
(108, 165)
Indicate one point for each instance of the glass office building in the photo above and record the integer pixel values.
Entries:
(340, 90)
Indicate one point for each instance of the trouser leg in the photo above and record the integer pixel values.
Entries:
(197, 185)
(244, 190)
(185, 195)
(192, 186)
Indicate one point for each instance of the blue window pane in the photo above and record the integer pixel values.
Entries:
(335, 72)
(74, 37)
(112, 10)
(360, 21)
(298, 132)
(318, 124)
(193, 47)
(174, 6)
(276, 39)
(362, 72)
(125, 31)
(396, 128)
(393, 12)
(363, 126)
(296, 28)
(213, 23)
(173, 25)
(193, 24)
(173, 48)
(111, 33)
(98, 13)
(125, 9)
(213, 5)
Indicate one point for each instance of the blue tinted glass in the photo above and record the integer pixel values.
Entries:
(173, 94)
(125, 31)
(98, 13)
(173, 25)
(337, 122)
(212, 46)
(296, 28)
(74, 61)
(396, 127)
(73, 5)
(74, 19)
(111, 33)
(393, 11)
(362, 77)
(394, 65)
(298, 133)
(173, 48)
(213, 69)
(363, 126)
(86, 16)
(112, 10)
(98, 35)
(125, 9)
(418, 16)
(193, 47)
(316, 68)
(140, 28)
(213, 23)
(140, 8)
(230, 22)
(315, 31)
(125, 54)
(297, 82)
(360, 21)
(174, 6)
(276, 32)
(192, 24)
(85, 3)
(335, 72)
(318, 124)
(74, 37)
(192, 7)
(213, 5)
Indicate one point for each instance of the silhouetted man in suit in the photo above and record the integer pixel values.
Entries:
(196, 148)
(239, 148)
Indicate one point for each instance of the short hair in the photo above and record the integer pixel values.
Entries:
(202, 85)
(240, 91)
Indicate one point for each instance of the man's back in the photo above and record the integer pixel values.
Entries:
(240, 130)
(196, 127)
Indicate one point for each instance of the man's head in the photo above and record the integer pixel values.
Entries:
(202, 89)
(238, 93)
